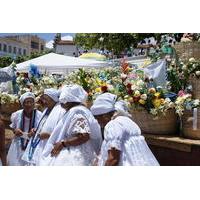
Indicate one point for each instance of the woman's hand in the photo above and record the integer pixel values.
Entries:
(18, 132)
(31, 133)
(57, 148)
(44, 136)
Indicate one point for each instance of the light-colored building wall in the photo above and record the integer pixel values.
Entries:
(34, 43)
(68, 50)
(12, 48)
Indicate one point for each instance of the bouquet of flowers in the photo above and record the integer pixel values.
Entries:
(6, 98)
(184, 101)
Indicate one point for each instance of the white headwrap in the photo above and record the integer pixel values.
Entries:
(52, 93)
(122, 108)
(104, 103)
(26, 96)
(73, 93)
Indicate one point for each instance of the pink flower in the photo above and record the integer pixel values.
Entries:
(181, 93)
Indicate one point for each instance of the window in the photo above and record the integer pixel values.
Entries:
(42, 47)
(14, 50)
(9, 49)
(24, 52)
(34, 45)
(5, 48)
(20, 51)
(0, 46)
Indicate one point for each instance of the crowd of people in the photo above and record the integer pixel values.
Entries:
(69, 133)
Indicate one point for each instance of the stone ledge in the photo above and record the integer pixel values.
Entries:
(172, 142)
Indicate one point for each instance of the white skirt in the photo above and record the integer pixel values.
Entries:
(134, 152)
(15, 153)
(82, 155)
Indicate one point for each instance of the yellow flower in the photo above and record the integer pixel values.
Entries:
(162, 101)
(141, 101)
(152, 90)
(157, 94)
(137, 93)
(97, 90)
(156, 103)
(98, 81)
(130, 100)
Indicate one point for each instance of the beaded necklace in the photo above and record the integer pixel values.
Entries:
(23, 141)
(35, 140)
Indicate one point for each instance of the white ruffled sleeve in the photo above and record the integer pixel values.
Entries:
(15, 119)
(79, 124)
(113, 135)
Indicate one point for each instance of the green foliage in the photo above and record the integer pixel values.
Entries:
(7, 60)
(115, 42)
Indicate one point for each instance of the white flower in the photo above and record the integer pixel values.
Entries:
(198, 73)
(134, 87)
(196, 102)
(123, 76)
(184, 67)
(171, 105)
(191, 60)
(140, 83)
(167, 100)
(110, 87)
(144, 97)
(153, 112)
(194, 66)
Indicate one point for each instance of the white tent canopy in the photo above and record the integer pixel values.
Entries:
(56, 63)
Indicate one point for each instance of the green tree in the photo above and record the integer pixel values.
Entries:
(57, 38)
(5, 61)
(115, 42)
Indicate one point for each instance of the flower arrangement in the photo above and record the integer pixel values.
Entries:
(6, 98)
(184, 101)
(179, 73)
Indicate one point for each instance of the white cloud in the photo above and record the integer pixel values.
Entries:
(49, 44)
(67, 37)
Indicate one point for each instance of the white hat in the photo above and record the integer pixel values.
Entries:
(26, 96)
(104, 103)
(121, 106)
(73, 93)
(52, 93)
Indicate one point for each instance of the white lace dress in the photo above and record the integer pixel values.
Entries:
(125, 135)
(77, 120)
(15, 153)
(46, 124)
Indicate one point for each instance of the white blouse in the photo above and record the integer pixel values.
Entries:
(124, 135)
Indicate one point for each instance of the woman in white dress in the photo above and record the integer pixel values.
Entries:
(2, 144)
(123, 143)
(23, 123)
(50, 117)
(77, 138)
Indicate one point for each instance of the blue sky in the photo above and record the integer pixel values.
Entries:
(46, 36)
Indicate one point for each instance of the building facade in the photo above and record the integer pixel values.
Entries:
(66, 47)
(33, 42)
(13, 48)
